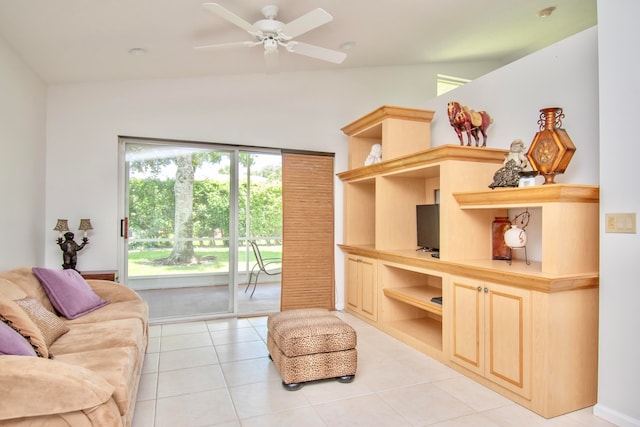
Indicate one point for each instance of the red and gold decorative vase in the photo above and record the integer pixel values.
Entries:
(551, 149)
(498, 228)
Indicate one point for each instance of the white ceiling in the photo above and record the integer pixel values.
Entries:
(89, 40)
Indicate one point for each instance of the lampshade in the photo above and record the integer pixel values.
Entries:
(62, 225)
(85, 224)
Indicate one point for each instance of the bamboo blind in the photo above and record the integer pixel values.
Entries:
(307, 228)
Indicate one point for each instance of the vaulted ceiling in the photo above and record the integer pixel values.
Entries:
(90, 40)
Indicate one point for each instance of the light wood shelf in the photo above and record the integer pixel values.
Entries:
(425, 163)
(528, 196)
(364, 126)
(417, 296)
(517, 274)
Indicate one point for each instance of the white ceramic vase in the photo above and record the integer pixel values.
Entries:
(515, 237)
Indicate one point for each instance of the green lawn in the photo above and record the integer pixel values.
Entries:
(141, 263)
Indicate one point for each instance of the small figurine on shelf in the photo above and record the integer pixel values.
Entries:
(464, 119)
(375, 156)
(514, 163)
(507, 176)
(517, 152)
(70, 249)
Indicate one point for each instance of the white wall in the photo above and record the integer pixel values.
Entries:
(22, 141)
(562, 75)
(287, 110)
(619, 374)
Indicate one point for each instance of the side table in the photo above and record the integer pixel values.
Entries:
(111, 275)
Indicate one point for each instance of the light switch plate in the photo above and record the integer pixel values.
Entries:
(620, 222)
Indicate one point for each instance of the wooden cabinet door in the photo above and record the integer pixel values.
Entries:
(467, 324)
(508, 328)
(491, 332)
(369, 288)
(352, 283)
(361, 289)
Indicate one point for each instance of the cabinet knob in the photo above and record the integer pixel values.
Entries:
(486, 290)
(479, 288)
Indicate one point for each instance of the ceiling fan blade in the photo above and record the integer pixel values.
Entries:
(306, 22)
(233, 18)
(271, 60)
(227, 45)
(316, 52)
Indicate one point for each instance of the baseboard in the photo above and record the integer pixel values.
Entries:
(615, 417)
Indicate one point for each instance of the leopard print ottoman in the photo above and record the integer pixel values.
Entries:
(311, 344)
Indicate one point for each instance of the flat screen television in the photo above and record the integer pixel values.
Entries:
(428, 226)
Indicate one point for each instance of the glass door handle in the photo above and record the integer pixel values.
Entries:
(124, 228)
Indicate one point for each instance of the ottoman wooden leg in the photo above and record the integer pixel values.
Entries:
(346, 378)
(292, 386)
(297, 386)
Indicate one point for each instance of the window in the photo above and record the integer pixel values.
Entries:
(448, 83)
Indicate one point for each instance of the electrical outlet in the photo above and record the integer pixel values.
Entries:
(620, 222)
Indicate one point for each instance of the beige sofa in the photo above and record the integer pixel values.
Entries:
(89, 375)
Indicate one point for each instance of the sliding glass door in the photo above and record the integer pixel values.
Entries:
(178, 230)
(190, 211)
(260, 222)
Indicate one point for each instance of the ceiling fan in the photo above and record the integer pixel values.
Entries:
(271, 33)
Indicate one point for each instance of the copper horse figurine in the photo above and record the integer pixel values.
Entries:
(462, 119)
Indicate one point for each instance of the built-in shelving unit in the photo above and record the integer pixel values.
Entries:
(390, 285)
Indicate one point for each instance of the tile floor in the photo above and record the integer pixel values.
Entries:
(217, 373)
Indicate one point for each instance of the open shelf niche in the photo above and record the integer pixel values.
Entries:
(568, 210)
(407, 310)
(399, 130)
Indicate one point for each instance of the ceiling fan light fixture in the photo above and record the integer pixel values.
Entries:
(269, 26)
(270, 45)
(270, 33)
(547, 11)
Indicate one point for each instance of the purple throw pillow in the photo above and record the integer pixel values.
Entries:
(12, 343)
(68, 292)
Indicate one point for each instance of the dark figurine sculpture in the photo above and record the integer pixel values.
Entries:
(69, 250)
(513, 167)
(507, 176)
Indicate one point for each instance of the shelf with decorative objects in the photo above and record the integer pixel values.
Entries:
(558, 293)
(568, 210)
(397, 130)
